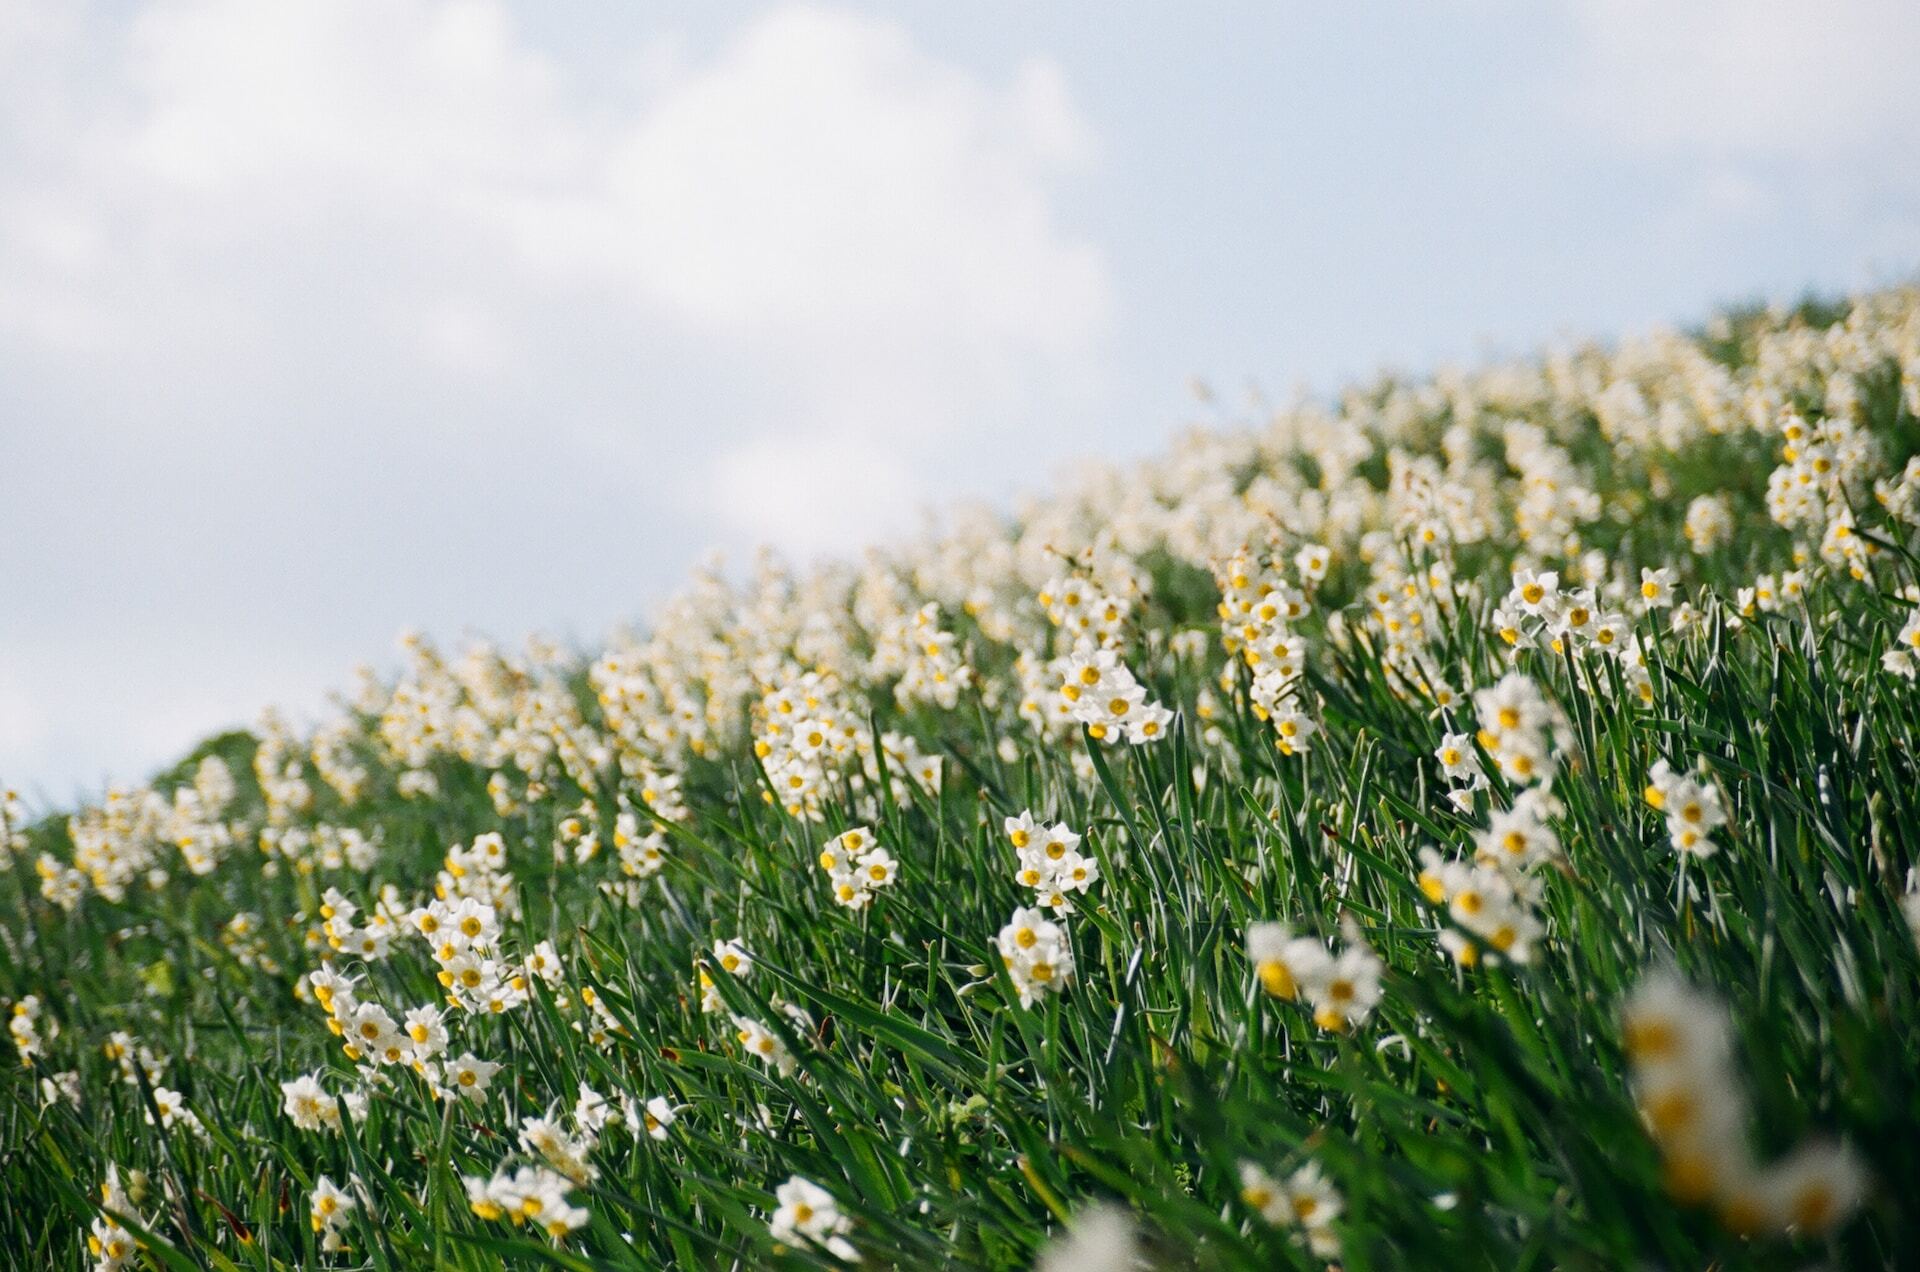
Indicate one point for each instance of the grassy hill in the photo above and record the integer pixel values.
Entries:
(1473, 826)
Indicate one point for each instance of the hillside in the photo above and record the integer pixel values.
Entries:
(1470, 826)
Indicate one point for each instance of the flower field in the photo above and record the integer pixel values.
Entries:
(1472, 824)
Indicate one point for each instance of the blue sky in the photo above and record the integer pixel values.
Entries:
(321, 320)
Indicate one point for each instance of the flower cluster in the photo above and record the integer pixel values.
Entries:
(1692, 806)
(23, 1025)
(732, 958)
(641, 856)
(530, 1195)
(807, 732)
(169, 1110)
(857, 866)
(1035, 952)
(1556, 498)
(1306, 1201)
(1493, 897)
(762, 1043)
(1680, 1047)
(311, 1108)
(1408, 605)
(1538, 612)
(1258, 610)
(1092, 616)
(134, 1060)
(464, 936)
(1276, 699)
(60, 883)
(243, 938)
(118, 844)
(1823, 473)
(1050, 861)
(650, 1119)
(601, 1028)
(932, 670)
(546, 1137)
(478, 872)
(13, 827)
(112, 1246)
(1518, 729)
(1341, 989)
(1103, 695)
(767, 1044)
(370, 943)
(1904, 658)
(1709, 523)
(807, 1215)
(329, 1210)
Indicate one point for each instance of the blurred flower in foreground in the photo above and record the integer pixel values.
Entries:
(1101, 1238)
(1680, 1048)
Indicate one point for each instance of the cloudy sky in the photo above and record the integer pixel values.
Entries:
(324, 318)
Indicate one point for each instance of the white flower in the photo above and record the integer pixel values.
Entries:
(1284, 962)
(857, 866)
(732, 958)
(544, 962)
(808, 1215)
(1536, 593)
(1294, 729)
(61, 1088)
(329, 1209)
(173, 1110)
(764, 1044)
(1101, 1238)
(1346, 991)
(1693, 807)
(592, 1110)
(654, 1118)
(311, 1108)
(470, 1076)
(1307, 1201)
(1656, 587)
(535, 1195)
(1458, 759)
(1036, 955)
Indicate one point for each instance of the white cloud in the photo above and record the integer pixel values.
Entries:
(1790, 122)
(814, 494)
(866, 231)
(875, 224)
(1766, 78)
(821, 169)
(330, 309)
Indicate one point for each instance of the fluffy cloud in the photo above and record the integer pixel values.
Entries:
(1769, 120)
(873, 224)
(866, 233)
(325, 316)
(1766, 78)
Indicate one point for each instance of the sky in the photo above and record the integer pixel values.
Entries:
(325, 319)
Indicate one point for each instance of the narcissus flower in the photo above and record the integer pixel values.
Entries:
(329, 1209)
(1038, 959)
(1307, 1202)
(1679, 1048)
(807, 1215)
